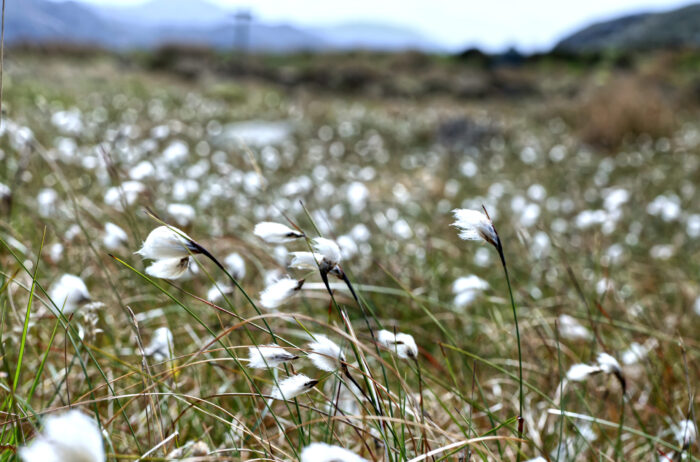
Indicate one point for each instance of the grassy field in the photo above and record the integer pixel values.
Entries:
(590, 174)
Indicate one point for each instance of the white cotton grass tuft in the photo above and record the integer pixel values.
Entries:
(474, 226)
(329, 250)
(325, 354)
(402, 344)
(235, 265)
(292, 386)
(571, 329)
(68, 293)
(68, 437)
(279, 292)
(580, 372)
(686, 433)
(305, 260)
(114, 236)
(322, 452)
(268, 356)
(166, 242)
(170, 248)
(276, 233)
(161, 346)
(466, 290)
(605, 363)
(608, 364)
(169, 268)
(183, 214)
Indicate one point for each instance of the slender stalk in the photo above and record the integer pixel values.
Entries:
(521, 422)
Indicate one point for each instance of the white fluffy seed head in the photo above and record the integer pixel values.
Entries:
(402, 344)
(608, 364)
(161, 346)
(276, 233)
(268, 356)
(325, 354)
(114, 236)
(169, 268)
(580, 372)
(68, 293)
(71, 436)
(305, 260)
(292, 387)
(279, 291)
(329, 250)
(474, 225)
(166, 242)
(322, 452)
(686, 433)
(235, 265)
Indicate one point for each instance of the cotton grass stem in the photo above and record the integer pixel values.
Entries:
(521, 422)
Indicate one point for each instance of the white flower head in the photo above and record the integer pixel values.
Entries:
(608, 364)
(68, 293)
(170, 248)
(322, 452)
(69, 437)
(329, 250)
(167, 242)
(474, 226)
(114, 236)
(580, 372)
(169, 268)
(279, 291)
(161, 346)
(235, 265)
(686, 433)
(292, 387)
(276, 233)
(268, 356)
(570, 328)
(182, 214)
(326, 355)
(605, 363)
(305, 260)
(402, 344)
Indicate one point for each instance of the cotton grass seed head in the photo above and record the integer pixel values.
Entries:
(161, 346)
(580, 372)
(686, 433)
(268, 356)
(68, 293)
(166, 242)
(322, 452)
(292, 387)
(402, 344)
(326, 355)
(605, 363)
(305, 260)
(329, 249)
(608, 364)
(170, 248)
(279, 292)
(276, 233)
(474, 226)
(69, 437)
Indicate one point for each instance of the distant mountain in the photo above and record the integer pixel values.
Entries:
(178, 13)
(72, 22)
(191, 22)
(367, 35)
(673, 29)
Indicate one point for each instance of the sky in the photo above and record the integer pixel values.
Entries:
(493, 25)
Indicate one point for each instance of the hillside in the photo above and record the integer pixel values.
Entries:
(679, 28)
